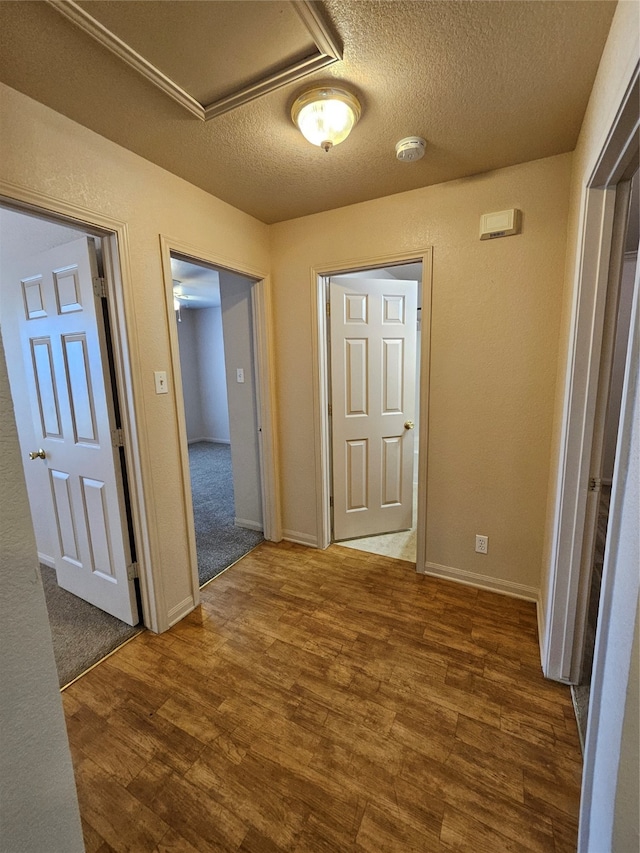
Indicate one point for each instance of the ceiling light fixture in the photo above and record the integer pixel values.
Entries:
(325, 116)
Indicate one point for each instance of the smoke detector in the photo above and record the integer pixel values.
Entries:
(410, 148)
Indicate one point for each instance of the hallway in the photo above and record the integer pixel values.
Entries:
(328, 700)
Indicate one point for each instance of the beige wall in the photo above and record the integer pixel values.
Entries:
(43, 151)
(495, 325)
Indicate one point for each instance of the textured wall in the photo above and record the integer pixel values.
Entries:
(38, 803)
(495, 323)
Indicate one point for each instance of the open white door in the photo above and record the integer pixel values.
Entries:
(373, 361)
(65, 360)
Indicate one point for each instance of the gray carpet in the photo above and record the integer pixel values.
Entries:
(82, 634)
(219, 542)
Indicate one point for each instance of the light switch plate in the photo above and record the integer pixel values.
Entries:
(160, 377)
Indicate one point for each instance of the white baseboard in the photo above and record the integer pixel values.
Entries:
(515, 590)
(300, 538)
(210, 440)
(249, 525)
(180, 610)
(47, 561)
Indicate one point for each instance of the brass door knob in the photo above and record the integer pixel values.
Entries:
(409, 424)
(37, 454)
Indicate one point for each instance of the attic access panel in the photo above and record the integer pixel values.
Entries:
(210, 57)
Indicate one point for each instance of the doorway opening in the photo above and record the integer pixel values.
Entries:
(58, 341)
(214, 315)
(373, 385)
(617, 326)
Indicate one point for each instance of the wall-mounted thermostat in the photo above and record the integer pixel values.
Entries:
(500, 224)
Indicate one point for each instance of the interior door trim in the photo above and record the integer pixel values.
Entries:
(115, 241)
(322, 442)
(560, 626)
(265, 388)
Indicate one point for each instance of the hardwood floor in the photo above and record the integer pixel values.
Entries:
(328, 701)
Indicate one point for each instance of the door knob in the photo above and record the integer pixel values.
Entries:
(37, 454)
(409, 424)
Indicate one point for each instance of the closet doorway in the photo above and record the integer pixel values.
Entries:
(58, 334)
(387, 485)
(612, 370)
(215, 332)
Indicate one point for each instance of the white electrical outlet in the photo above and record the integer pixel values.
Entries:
(482, 544)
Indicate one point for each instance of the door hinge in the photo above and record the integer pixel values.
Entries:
(328, 309)
(595, 483)
(132, 571)
(330, 409)
(100, 287)
(117, 438)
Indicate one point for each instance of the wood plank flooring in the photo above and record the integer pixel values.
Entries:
(328, 701)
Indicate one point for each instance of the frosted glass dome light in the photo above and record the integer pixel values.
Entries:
(325, 116)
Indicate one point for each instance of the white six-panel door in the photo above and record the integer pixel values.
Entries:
(373, 361)
(66, 371)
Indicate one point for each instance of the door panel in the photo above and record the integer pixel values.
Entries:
(392, 376)
(95, 510)
(33, 299)
(45, 387)
(373, 360)
(63, 348)
(61, 491)
(356, 475)
(356, 370)
(76, 366)
(391, 470)
(67, 288)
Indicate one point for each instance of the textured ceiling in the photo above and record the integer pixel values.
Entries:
(487, 84)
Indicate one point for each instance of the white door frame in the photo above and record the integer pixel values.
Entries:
(115, 244)
(322, 432)
(567, 593)
(265, 391)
